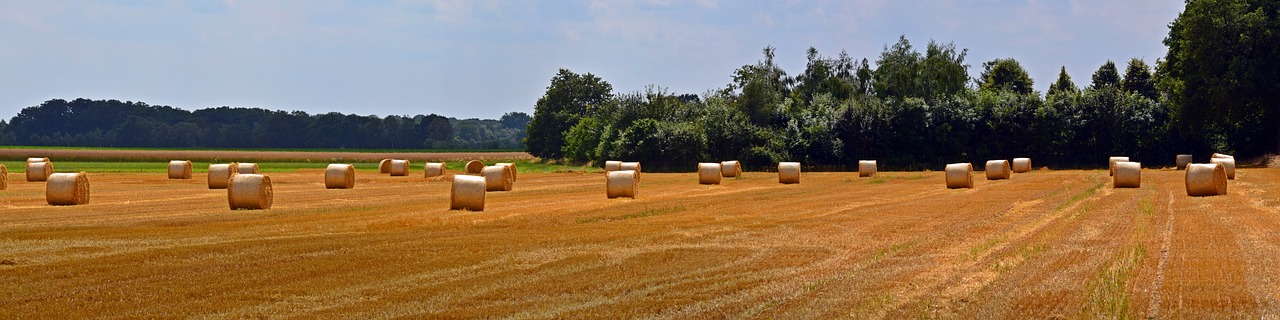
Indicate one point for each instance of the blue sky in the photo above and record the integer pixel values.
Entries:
(484, 58)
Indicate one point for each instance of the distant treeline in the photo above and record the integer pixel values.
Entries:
(113, 123)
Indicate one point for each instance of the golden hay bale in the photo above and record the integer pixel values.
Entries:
(1111, 164)
(998, 170)
(179, 169)
(508, 164)
(867, 168)
(1228, 164)
(384, 166)
(1021, 165)
(467, 193)
(959, 175)
(4, 177)
(220, 175)
(1206, 179)
(67, 189)
(247, 168)
(30, 160)
(1128, 175)
(730, 169)
(1182, 161)
(610, 166)
(633, 166)
(497, 178)
(474, 167)
(399, 168)
(39, 171)
(340, 176)
(433, 169)
(788, 172)
(1222, 155)
(622, 183)
(249, 191)
(708, 173)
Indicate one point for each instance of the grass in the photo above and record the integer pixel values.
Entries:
(268, 149)
(158, 167)
(1109, 290)
(647, 212)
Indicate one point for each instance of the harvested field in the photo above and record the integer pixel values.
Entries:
(250, 156)
(1060, 244)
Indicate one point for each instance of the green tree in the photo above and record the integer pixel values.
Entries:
(1137, 79)
(569, 98)
(1063, 85)
(1005, 74)
(942, 72)
(763, 86)
(897, 71)
(1106, 77)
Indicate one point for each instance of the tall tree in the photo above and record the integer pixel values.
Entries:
(1005, 74)
(897, 71)
(943, 72)
(1106, 77)
(570, 97)
(1137, 79)
(1063, 85)
(763, 86)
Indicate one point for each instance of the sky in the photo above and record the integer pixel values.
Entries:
(482, 58)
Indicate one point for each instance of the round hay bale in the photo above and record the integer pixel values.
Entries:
(788, 172)
(467, 193)
(384, 166)
(1228, 164)
(249, 191)
(39, 171)
(633, 166)
(1111, 164)
(1128, 175)
(475, 167)
(1182, 161)
(433, 169)
(340, 176)
(247, 168)
(67, 189)
(399, 168)
(4, 177)
(730, 169)
(611, 166)
(179, 169)
(497, 178)
(1206, 179)
(622, 183)
(220, 175)
(867, 168)
(998, 170)
(513, 169)
(709, 173)
(1021, 165)
(959, 175)
(30, 160)
(1222, 155)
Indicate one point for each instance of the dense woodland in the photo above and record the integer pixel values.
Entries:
(112, 123)
(1216, 91)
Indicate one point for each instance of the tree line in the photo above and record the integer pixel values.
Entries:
(914, 110)
(113, 123)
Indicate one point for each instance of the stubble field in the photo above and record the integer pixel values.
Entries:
(1043, 244)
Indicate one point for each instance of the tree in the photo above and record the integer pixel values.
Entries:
(1106, 76)
(1005, 74)
(897, 71)
(763, 86)
(569, 98)
(942, 72)
(1137, 79)
(1063, 85)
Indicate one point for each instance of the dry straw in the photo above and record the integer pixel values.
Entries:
(709, 173)
(611, 166)
(788, 172)
(513, 169)
(179, 169)
(220, 175)
(1111, 164)
(633, 166)
(39, 171)
(249, 191)
(623, 183)
(730, 169)
(1128, 175)
(399, 168)
(384, 166)
(4, 177)
(1228, 164)
(474, 167)
(340, 176)
(959, 175)
(1222, 155)
(867, 168)
(1182, 160)
(1021, 165)
(67, 189)
(247, 168)
(1206, 179)
(467, 193)
(433, 169)
(998, 170)
(497, 178)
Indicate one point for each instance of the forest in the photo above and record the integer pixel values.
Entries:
(113, 123)
(917, 109)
